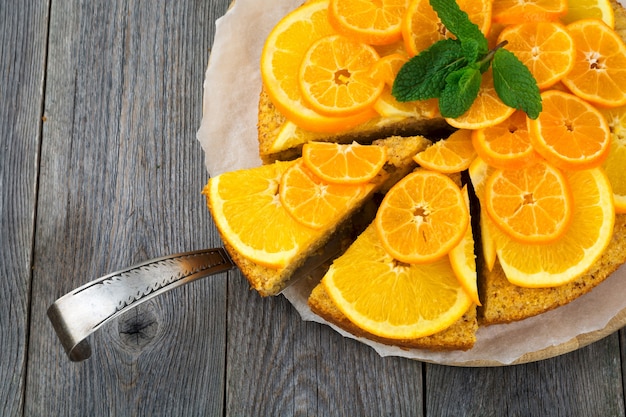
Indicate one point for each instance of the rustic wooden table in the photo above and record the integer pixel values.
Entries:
(100, 169)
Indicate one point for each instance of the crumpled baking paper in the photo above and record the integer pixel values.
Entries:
(228, 137)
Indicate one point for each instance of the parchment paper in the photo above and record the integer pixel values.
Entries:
(228, 136)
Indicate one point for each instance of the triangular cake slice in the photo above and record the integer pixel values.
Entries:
(271, 280)
(460, 336)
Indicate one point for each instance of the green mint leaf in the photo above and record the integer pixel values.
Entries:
(471, 50)
(457, 21)
(515, 84)
(460, 91)
(424, 75)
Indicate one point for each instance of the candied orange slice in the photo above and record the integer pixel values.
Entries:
(422, 217)
(344, 163)
(569, 132)
(335, 76)
(314, 202)
(599, 72)
(546, 48)
(532, 204)
(390, 299)
(371, 22)
(454, 154)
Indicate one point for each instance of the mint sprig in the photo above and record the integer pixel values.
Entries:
(451, 69)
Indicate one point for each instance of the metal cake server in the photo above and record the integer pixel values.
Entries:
(84, 310)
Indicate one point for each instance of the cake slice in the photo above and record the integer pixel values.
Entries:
(271, 124)
(459, 336)
(268, 277)
(504, 302)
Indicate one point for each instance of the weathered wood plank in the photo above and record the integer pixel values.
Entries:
(120, 182)
(22, 64)
(279, 365)
(581, 383)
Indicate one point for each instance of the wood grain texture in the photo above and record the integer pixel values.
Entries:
(581, 383)
(281, 366)
(121, 175)
(22, 69)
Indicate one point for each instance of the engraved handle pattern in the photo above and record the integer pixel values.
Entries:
(81, 312)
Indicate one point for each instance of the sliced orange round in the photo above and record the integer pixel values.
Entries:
(505, 145)
(590, 231)
(388, 66)
(479, 171)
(599, 72)
(569, 132)
(390, 299)
(590, 9)
(371, 22)
(422, 217)
(335, 76)
(463, 259)
(486, 110)
(314, 202)
(421, 27)
(515, 11)
(546, 48)
(532, 204)
(344, 163)
(281, 57)
(454, 154)
(615, 164)
(388, 107)
(241, 200)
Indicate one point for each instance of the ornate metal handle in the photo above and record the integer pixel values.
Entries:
(81, 312)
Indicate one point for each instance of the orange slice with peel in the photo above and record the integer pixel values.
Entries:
(314, 202)
(421, 27)
(344, 163)
(281, 57)
(422, 217)
(515, 11)
(569, 132)
(590, 9)
(615, 164)
(599, 72)
(507, 144)
(335, 76)
(559, 262)
(463, 259)
(390, 299)
(532, 204)
(546, 48)
(486, 110)
(374, 23)
(239, 200)
(479, 171)
(450, 155)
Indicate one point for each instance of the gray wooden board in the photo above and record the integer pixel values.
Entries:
(22, 62)
(120, 181)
